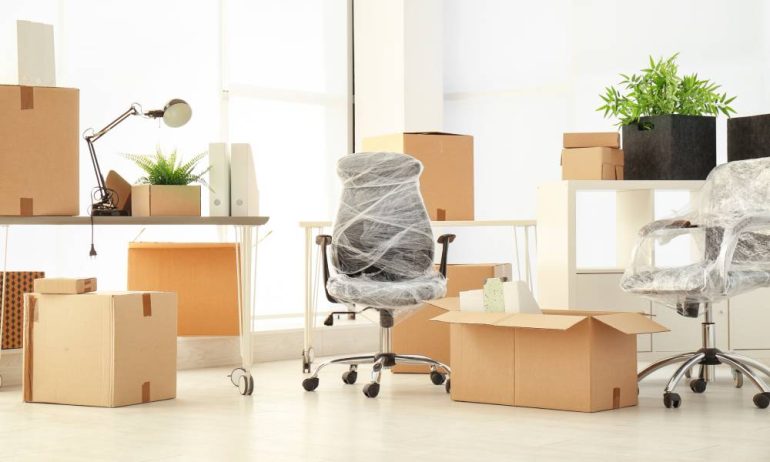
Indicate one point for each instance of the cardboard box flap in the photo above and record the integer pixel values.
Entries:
(540, 321)
(631, 323)
(447, 303)
(434, 133)
(471, 317)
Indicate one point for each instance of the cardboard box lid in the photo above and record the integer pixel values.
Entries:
(64, 285)
(447, 303)
(628, 323)
(435, 133)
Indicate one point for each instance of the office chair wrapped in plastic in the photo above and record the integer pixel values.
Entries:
(725, 242)
(382, 249)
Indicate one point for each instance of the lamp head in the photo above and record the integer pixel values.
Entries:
(176, 113)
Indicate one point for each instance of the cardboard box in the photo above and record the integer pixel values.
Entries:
(122, 197)
(165, 200)
(592, 164)
(592, 140)
(39, 150)
(64, 285)
(418, 335)
(446, 183)
(203, 275)
(99, 349)
(561, 359)
(13, 286)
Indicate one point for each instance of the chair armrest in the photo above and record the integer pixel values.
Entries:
(325, 240)
(731, 237)
(444, 240)
(667, 224)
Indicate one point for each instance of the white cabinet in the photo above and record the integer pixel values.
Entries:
(601, 291)
(750, 320)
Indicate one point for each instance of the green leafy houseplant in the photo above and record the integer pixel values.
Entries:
(168, 170)
(660, 90)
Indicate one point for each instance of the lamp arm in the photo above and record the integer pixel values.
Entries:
(91, 137)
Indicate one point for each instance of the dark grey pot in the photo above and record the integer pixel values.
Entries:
(748, 137)
(677, 147)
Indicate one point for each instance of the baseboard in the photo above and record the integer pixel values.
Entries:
(201, 352)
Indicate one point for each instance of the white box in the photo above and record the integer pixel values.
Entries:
(219, 180)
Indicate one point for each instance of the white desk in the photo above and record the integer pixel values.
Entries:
(313, 228)
(245, 232)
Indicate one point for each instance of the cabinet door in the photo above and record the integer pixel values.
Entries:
(750, 320)
(601, 291)
(686, 333)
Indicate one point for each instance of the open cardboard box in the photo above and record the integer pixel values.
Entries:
(599, 163)
(561, 359)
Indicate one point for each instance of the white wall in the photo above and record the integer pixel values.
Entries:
(518, 74)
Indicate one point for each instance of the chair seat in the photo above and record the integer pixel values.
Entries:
(692, 280)
(364, 290)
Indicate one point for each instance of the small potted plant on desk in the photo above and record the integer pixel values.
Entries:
(668, 122)
(167, 189)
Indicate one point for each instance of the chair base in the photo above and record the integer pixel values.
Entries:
(707, 359)
(380, 361)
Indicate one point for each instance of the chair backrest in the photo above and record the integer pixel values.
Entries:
(382, 227)
(736, 188)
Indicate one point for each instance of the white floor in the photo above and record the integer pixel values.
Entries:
(410, 420)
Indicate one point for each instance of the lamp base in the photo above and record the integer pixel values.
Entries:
(99, 210)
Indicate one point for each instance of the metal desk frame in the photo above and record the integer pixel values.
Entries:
(245, 233)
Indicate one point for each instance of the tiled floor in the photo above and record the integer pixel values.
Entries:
(410, 420)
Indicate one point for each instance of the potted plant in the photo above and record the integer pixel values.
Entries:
(167, 188)
(668, 121)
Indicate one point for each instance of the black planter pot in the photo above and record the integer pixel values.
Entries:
(748, 137)
(676, 147)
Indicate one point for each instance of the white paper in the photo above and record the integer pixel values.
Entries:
(472, 300)
(518, 298)
(219, 180)
(36, 58)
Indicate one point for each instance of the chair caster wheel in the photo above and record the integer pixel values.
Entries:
(243, 380)
(437, 378)
(349, 377)
(671, 399)
(762, 400)
(372, 389)
(698, 386)
(310, 383)
(448, 385)
(737, 378)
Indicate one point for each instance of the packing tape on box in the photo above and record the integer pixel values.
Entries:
(26, 206)
(27, 98)
(146, 392)
(616, 398)
(147, 305)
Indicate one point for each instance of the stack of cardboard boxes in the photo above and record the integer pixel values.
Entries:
(592, 156)
(98, 348)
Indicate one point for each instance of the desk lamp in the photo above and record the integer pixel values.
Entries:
(175, 114)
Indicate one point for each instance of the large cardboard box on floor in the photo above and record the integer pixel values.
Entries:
(446, 183)
(99, 348)
(39, 150)
(203, 275)
(561, 359)
(418, 335)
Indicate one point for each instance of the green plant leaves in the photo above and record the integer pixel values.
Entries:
(659, 90)
(168, 170)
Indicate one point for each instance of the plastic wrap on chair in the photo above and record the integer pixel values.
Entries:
(382, 243)
(718, 248)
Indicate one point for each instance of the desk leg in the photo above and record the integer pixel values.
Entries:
(246, 272)
(5, 229)
(307, 348)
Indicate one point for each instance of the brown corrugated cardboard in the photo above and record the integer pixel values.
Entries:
(416, 334)
(203, 275)
(39, 150)
(122, 188)
(561, 359)
(99, 349)
(592, 140)
(592, 164)
(446, 183)
(64, 285)
(13, 286)
(165, 200)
